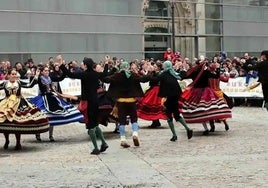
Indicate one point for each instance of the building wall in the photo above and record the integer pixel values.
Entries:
(43, 28)
(234, 26)
(245, 26)
(207, 27)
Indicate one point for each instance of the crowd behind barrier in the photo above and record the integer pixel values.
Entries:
(234, 88)
(238, 68)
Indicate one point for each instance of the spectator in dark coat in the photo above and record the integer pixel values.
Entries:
(262, 68)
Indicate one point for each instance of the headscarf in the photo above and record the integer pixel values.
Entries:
(124, 66)
(167, 66)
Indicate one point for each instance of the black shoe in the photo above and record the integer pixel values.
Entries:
(155, 124)
(136, 141)
(116, 130)
(124, 144)
(206, 132)
(103, 147)
(104, 122)
(38, 138)
(6, 145)
(174, 138)
(226, 127)
(152, 126)
(18, 147)
(51, 139)
(212, 128)
(189, 133)
(266, 106)
(95, 152)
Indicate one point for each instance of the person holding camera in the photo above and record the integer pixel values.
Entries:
(262, 68)
(247, 66)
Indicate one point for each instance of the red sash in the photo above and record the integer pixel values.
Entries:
(82, 107)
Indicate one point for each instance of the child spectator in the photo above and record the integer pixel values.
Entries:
(169, 55)
(234, 73)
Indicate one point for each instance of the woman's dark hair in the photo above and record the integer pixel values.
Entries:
(41, 68)
(30, 60)
(159, 65)
(89, 63)
(18, 63)
(10, 70)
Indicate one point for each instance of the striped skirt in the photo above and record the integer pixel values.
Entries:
(198, 105)
(18, 116)
(57, 110)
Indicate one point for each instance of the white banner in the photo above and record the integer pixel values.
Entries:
(71, 86)
(234, 88)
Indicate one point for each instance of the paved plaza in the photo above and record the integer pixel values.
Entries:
(235, 158)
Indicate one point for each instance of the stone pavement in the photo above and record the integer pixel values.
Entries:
(236, 158)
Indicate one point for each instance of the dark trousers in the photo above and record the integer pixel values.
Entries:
(127, 109)
(265, 92)
(172, 108)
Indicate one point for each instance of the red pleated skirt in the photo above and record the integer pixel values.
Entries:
(150, 106)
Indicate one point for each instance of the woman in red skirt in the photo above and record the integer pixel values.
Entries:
(150, 107)
(199, 103)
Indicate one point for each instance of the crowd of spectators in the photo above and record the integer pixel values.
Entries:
(235, 66)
